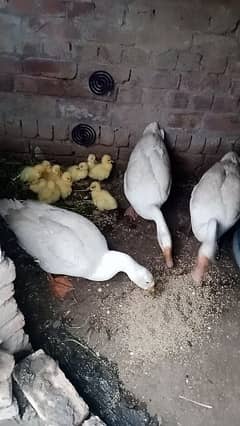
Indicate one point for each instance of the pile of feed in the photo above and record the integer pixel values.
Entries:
(143, 329)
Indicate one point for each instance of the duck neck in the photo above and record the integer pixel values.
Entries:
(113, 262)
(163, 234)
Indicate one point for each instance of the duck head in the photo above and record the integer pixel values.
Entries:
(154, 129)
(95, 186)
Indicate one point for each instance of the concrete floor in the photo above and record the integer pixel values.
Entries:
(207, 371)
(203, 365)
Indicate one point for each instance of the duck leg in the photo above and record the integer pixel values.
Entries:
(130, 212)
(60, 285)
(206, 252)
(200, 269)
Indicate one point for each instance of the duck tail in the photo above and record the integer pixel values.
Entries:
(7, 204)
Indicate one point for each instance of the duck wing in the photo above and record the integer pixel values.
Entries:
(148, 172)
(56, 247)
(160, 167)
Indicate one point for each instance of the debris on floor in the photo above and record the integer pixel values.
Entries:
(8, 405)
(48, 396)
(49, 392)
(12, 336)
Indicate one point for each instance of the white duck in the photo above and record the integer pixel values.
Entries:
(215, 208)
(66, 243)
(147, 183)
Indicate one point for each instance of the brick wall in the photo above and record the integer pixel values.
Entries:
(175, 62)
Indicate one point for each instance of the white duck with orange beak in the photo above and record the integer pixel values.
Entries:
(215, 208)
(147, 183)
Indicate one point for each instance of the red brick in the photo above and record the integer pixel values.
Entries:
(21, 7)
(45, 129)
(214, 64)
(25, 84)
(235, 88)
(6, 83)
(188, 164)
(211, 145)
(228, 123)
(178, 100)
(106, 54)
(201, 102)
(50, 28)
(9, 65)
(171, 137)
(227, 143)
(155, 97)
(13, 127)
(135, 56)
(124, 154)
(205, 82)
(42, 149)
(13, 145)
(183, 140)
(197, 143)
(31, 49)
(188, 61)
(165, 60)
(155, 80)
(234, 67)
(121, 137)
(52, 7)
(129, 94)
(61, 130)
(48, 68)
(224, 104)
(89, 111)
(30, 7)
(77, 8)
(106, 135)
(29, 128)
(184, 121)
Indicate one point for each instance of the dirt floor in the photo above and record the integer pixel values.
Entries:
(183, 342)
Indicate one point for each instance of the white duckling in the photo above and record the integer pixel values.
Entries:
(215, 208)
(147, 183)
(66, 243)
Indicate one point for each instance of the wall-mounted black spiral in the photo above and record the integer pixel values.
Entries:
(101, 83)
(83, 134)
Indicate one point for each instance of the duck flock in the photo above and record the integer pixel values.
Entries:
(67, 244)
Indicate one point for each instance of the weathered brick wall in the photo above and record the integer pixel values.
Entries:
(174, 61)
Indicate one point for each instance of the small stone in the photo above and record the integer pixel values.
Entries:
(7, 270)
(6, 365)
(17, 343)
(6, 293)
(94, 421)
(49, 392)
(8, 311)
(9, 412)
(12, 326)
(6, 393)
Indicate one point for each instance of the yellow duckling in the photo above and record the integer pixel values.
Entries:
(78, 172)
(30, 174)
(101, 198)
(64, 184)
(102, 170)
(53, 173)
(43, 167)
(33, 173)
(91, 161)
(47, 191)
